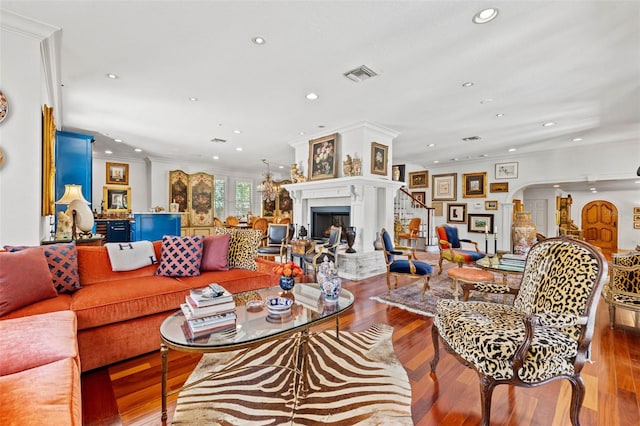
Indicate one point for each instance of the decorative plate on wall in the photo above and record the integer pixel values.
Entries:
(4, 107)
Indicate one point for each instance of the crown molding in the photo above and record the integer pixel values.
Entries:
(28, 27)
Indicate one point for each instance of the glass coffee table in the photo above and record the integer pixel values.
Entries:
(254, 326)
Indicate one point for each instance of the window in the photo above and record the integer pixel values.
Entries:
(218, 198)
(243, 197)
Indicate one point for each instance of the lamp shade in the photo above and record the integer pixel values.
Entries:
(72, 192)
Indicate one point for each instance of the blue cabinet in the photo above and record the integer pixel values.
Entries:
(153, 226)
(73, 164)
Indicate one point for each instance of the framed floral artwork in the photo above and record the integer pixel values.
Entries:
(474, 185)
(379, 158)
(323, 157)
(445, 187)
(457, 213)
(117, 173)
(419, 179)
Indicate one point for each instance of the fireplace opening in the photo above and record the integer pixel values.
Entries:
(322, 218)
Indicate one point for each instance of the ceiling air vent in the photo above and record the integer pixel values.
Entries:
(472, 138)
(360, 74)
(218, 140)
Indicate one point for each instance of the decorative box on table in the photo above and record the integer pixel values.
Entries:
(300, 246)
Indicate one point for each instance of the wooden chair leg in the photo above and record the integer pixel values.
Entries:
(388, 284)
(435, 336)
(425, 286)
(577, 398)
(612, 316)
(486, 391)
(440, 265)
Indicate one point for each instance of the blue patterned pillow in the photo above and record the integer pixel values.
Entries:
(180, 256)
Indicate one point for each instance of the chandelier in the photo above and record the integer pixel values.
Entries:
(268, 189)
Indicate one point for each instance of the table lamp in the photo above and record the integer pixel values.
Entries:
(78, 211)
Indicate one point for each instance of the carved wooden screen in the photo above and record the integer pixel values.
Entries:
(201, 199)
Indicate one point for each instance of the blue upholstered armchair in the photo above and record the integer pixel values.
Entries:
(403, 267)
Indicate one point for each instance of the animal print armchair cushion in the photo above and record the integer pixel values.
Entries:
(557, 287)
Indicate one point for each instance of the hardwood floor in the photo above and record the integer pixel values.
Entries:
(128, 393)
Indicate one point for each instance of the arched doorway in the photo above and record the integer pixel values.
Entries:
(600, 225)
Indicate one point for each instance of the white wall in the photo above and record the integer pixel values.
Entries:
(618, 161)
(21, 80)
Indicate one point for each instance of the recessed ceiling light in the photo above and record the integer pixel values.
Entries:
(549, 124)
(500, 115)
(237, 132)
(239, 148)
(108, 152)
(467, 84)
(192, 99)
(594, 192)
(301, 133)
(486, 101)
(512, 149)
(431, 145)
(577, 139)
(556, 186)
(592, 189)
(281, 167)
(312, 96)
(137, 150)
(259, 40)
(112, 76)
(117, 140)
(454, 159)
(436, 161)
(215, 157)
(486, 15)
(484, 155)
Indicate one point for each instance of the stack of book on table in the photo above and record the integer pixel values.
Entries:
(513, 262)
(207, 310)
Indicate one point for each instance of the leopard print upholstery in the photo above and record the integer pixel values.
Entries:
(623, 288)
(243, 247)
(558, 286)
(493, 287)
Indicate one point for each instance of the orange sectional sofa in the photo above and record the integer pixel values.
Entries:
(119, 313)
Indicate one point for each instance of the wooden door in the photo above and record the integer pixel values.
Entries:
(600, 225)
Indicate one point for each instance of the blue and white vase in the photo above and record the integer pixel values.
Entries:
(331, 288)
(287, 283)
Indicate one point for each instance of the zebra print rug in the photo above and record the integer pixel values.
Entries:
(356, 380)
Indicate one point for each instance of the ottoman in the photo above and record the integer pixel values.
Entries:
(467, 275)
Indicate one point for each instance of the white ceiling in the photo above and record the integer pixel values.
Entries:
(576, 63)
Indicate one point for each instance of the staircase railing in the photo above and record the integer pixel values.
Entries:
(406, 207)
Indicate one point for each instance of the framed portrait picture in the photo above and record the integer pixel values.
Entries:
(419, 179)
(491, 205)
(117, 174)
(636, 225)
(507, 170)
(499, 187)
(379, 158)
(419, 198)
(457, 213)
(445, 187)
(636, 210)
(480, 223)
(117, 198)
(474, 185)
(397, 172)
(323, 157)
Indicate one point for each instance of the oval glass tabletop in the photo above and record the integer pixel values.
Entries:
(254, 322)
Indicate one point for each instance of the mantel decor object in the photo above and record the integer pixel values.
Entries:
(351, 238)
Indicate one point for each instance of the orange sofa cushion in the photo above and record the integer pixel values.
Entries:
(37, 340)
(94, 266)
(114, 301)
(49, 394)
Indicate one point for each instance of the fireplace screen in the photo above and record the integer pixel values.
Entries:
(322, 218)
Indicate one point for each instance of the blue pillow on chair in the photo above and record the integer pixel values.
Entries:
(452, 236)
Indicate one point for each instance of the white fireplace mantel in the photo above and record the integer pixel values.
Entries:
(370, 200)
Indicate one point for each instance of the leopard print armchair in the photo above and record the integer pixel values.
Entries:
(545, 335)
(623, 288)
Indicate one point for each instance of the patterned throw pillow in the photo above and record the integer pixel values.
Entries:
(181, 256)
(63, 264)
